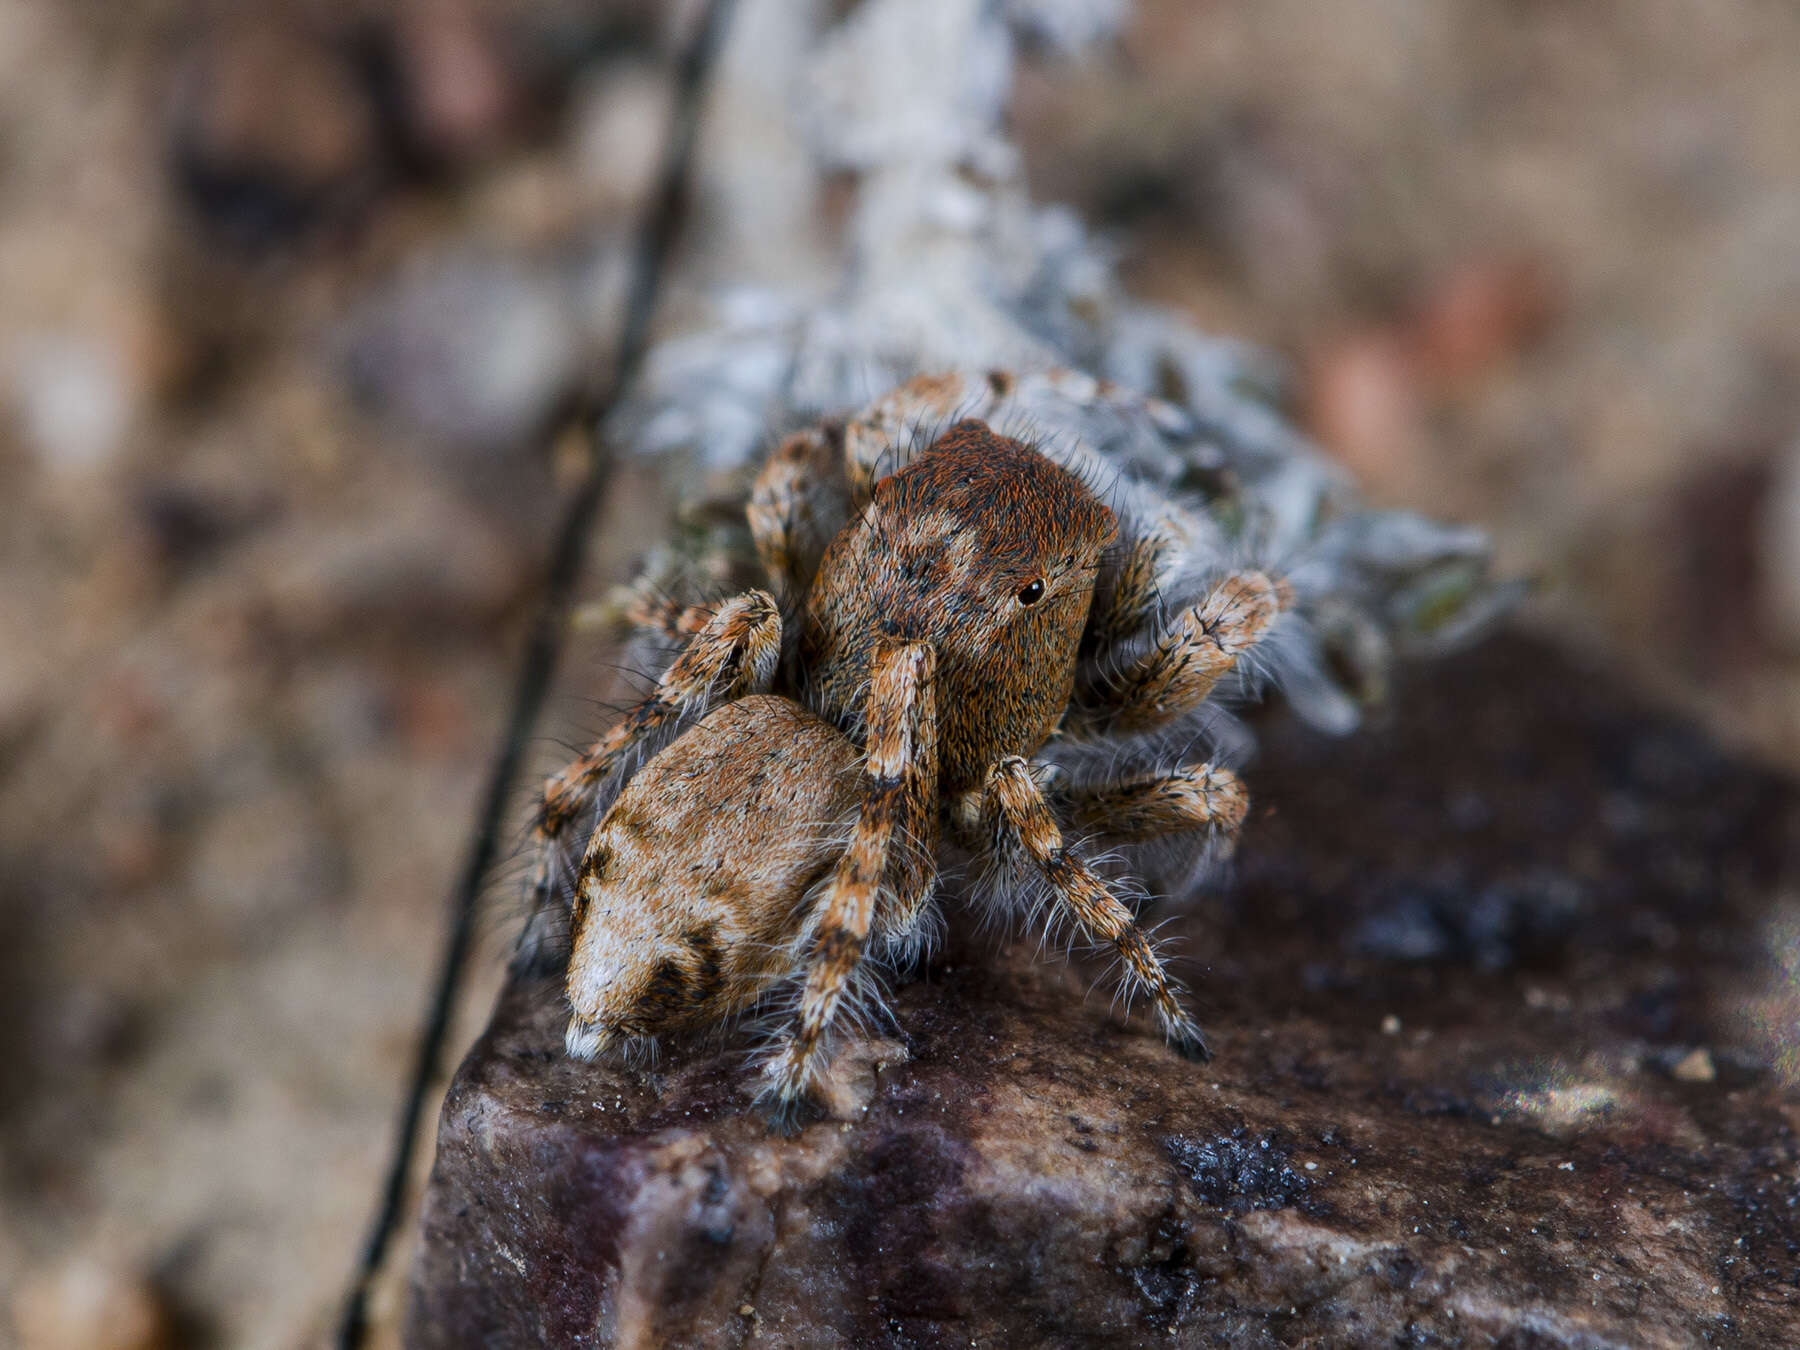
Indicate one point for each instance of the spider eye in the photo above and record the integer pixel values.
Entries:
(1032, 593)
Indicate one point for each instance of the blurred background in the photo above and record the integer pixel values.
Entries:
(293, 297)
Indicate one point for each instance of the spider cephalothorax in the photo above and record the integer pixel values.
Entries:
(985, 550)
(965, 610)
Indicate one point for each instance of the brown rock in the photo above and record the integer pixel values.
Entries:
(1449, 991)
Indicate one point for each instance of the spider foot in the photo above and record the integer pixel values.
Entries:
(1187, 1040)
(787, 1100)
(788, 1116)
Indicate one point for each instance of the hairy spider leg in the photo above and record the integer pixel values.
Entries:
(1183, 664)
(1023, 832)
(1128, 605)
(886, 436)
(1150, 805)
(893, 843)
(784, 523)
(734, 653)
(663, 616)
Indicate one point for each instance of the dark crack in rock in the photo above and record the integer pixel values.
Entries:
(1503, 1136)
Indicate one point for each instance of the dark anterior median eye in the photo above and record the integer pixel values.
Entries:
(1032, 593)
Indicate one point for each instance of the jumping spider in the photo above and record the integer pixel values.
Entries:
(969, 607)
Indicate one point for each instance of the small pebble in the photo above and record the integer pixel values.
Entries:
(1696, 1067)
(1390, 1025)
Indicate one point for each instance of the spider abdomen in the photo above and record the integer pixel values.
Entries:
(685, 904)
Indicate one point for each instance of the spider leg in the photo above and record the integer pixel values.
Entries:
(893, 841)
(1147, 806)
(1129, 603)
(1018, 823)
(733, 654)
(885, 437)
(912, 854)
(660, 615)
(789, 522)
(1185, 662)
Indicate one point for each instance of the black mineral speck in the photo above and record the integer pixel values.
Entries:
(1239, 1172)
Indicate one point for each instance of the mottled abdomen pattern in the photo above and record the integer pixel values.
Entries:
(693, 894)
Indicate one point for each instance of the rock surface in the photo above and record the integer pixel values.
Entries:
(1458, 993)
